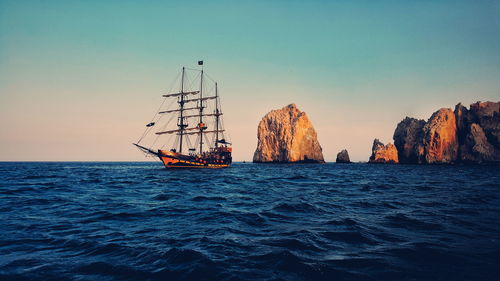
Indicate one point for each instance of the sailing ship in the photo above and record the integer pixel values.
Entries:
(198, 114)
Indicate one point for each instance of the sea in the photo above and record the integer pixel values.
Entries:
(140, 221)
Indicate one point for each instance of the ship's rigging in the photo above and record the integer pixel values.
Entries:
(196, 109)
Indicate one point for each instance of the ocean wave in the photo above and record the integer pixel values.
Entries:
(403, 221)
(100, 216)
(351, 237)
(291, 244)
(296, 207)
(346, 222)
(208, 198)
(162, 197)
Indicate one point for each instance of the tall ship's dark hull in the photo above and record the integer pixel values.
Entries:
(198, 116)
(177, 160)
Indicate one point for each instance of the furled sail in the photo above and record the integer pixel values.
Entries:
(207, 114)
(177, 130)
(198, 99)
(182, 93)
(214, 131)
(175, 110)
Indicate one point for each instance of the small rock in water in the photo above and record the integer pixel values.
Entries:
(343, 157)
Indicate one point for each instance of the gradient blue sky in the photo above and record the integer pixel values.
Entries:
(79, 79)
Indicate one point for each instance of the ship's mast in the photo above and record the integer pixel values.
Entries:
(201, 125)
(216, 116)
(181, 112)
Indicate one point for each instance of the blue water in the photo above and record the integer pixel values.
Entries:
(138, 221)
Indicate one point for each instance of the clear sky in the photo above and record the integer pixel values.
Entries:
(80, 79)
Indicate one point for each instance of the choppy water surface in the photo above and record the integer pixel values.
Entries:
(115, 221)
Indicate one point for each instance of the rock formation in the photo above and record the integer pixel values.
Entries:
(343, 157)
(440, 138)
(408, 139)
(462, 117)
(459, 136)
(286, 135)
(478, 132)
(476, 148)
(487, 115)
(383, 153)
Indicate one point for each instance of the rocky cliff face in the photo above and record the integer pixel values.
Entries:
(383, 153)
(440, 138)
(286, 135)
(343, 157)
(478, 132)
(408, 139)
(462, 117)
(476, 148)
(487, 115)
(463, 135)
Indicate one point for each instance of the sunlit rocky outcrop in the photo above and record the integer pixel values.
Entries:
(459, 136)
(286, 135)
(440, 138)
(383, 154)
